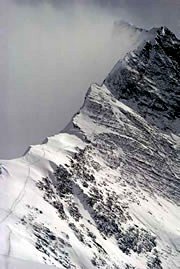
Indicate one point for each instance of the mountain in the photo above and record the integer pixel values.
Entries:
(151, 75)
(105, 192)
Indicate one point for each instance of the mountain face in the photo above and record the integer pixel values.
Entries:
(105, 192)
(148, 80)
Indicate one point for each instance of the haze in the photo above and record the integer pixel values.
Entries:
(51, 52)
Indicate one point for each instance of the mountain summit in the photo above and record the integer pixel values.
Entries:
(148, 78)
(104, 193)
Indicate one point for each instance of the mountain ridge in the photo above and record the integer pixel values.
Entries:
(105, 194)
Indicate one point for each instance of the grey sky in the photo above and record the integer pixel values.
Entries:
(51, 51)
(143, 12)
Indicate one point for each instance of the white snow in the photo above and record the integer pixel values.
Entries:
(18, 190)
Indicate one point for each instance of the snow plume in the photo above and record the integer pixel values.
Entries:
(54, 54)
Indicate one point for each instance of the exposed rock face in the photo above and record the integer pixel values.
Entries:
(106, 194)
(148, 79)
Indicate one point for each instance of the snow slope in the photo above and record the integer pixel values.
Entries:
(105, 193)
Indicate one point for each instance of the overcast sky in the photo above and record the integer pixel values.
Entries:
(51, 51)
(143, 12)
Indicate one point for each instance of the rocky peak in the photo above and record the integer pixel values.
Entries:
(147, 79)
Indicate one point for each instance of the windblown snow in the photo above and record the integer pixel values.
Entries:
(105, 193)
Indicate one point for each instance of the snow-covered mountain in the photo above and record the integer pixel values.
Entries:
(105, 192)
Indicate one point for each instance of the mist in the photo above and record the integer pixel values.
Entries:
(51, 53)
